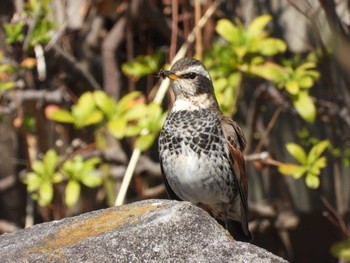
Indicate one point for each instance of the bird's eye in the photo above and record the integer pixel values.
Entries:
(190, 75)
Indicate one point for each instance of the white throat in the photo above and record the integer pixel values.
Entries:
(194, 103)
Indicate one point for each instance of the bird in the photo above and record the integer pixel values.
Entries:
(201, 150)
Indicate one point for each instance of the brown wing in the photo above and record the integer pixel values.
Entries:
(236, 145)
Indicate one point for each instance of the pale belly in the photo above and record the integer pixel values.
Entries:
(198, 178)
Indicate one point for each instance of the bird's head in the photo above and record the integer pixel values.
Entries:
(191, 83)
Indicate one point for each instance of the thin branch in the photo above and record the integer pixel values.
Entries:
(15, 96)
(335, 217)
(199, 41)
(75, 64)
(263, 157)
(268, 129)
(174, 28)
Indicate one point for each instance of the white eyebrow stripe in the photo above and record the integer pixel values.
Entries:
(195, 68)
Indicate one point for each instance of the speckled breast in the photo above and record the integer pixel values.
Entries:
(194, 158)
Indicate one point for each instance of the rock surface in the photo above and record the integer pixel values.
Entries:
(147, 231)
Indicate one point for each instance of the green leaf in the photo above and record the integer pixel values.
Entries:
(6, 85)
(33, 181)
(297, 152)
(341, 250)
(294, 170)
(271, 47)
(306, 82)
(50, 161)
(39, 168)
(88, 166)
(85, 104)
(256, 27)
(144, 142)
(105, 103)
(91, 180)
(227, 30)
(135, 112)
(72, 192)
(132, 130)
(318, 165)
(317, 150)
(312, 181)
(45, 193)
(292, 87)
(117, 127)
(62, 116)
(126, 102)
(93, 118)
(14, 32)
(142, 66)
(305, 106)
(270, 71)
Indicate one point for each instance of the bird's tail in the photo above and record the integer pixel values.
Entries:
(235, 228)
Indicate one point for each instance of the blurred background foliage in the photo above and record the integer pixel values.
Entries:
(78, 82)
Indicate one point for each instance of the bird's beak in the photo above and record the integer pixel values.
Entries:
(168, 74)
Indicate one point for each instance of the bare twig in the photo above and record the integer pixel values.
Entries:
(174, 27)
(263, 157)
(335, 217)
(75, 64)
(14, 97)
(199, 46)
(268, 129)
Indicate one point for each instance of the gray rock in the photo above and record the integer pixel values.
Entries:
(147, 231)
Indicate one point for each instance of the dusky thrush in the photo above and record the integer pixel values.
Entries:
(201, 150)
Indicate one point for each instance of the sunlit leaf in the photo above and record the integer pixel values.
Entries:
(45, 193)
(136, 112)
(132, 130)
(88, 166)
(91, 180)
(292, 169)
(117, 127)
(127, 101)
(14, 32)
(305, 106)
(317, 150)
(144, 142)
(318, 165)
(269, 71)
(72, 192)
(142, 66)
(93, 118)
(271, 46)
(256, 27)
(6, 85)
(33, 181)
(312, 181)
(292, 87)
(50, 161)
(61, 115)
(38, 167)
(341, 250)
(297, 152)
(306, 82)
(104, 102)
(227, 30)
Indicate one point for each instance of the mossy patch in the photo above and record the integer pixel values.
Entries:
(77, 231)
